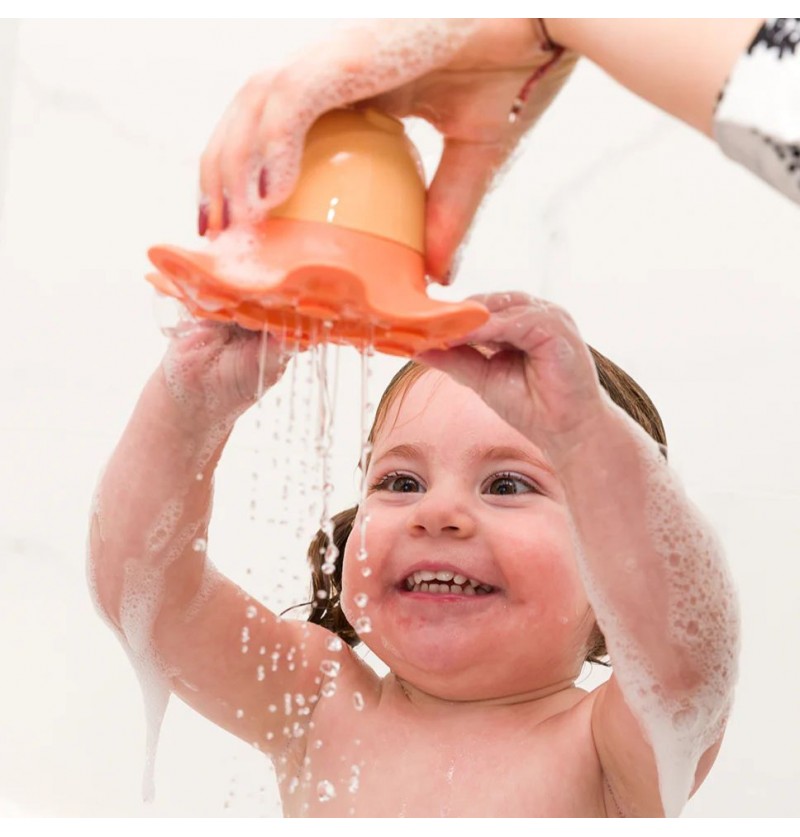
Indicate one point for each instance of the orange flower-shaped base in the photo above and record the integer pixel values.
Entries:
(314, 282)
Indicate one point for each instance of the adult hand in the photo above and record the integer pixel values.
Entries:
(481, 83)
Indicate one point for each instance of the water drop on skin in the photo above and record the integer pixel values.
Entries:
(325, 791)
(330, 668)
(251, 612)
(358, 700)
(361, 600)
(199, 545)
(363, 625)
(329, 689)
(334, 644)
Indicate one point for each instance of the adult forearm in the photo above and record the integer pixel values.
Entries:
(653, 567)
(153, 502)
(679, 65)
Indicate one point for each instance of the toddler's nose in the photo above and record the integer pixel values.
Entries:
(442, 512)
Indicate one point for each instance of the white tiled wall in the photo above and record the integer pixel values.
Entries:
(677, 264)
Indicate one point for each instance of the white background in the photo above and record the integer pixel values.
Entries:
(676, 263)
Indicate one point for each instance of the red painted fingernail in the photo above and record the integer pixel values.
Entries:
(262, 183)
(226, 214)
(202, 219)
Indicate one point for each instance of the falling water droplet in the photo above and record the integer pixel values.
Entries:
(251, 612)
(329, 689)
(199, 545)
(322, 594)
(325, 791)
(361, 599)
(334, 644)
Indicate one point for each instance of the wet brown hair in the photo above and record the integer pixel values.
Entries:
(326, 589)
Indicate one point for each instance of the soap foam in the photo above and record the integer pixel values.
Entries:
(703, 624)
(236, 255)
(140, 603)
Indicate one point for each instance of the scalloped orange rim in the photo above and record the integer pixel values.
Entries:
(314, 282)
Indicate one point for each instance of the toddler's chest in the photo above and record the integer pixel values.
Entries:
(408, 771)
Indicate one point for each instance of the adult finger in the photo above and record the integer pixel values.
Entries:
(224, 159)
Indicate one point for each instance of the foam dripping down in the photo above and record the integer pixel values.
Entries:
(681, 702)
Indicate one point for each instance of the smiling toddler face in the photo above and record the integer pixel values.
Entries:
(472, 591)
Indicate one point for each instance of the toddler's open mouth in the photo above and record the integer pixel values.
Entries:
(445, 582)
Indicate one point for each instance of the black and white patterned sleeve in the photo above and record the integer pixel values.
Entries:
(757, 120)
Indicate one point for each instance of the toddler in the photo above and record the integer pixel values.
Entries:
(519, 518)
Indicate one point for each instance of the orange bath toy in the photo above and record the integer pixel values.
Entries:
(341, 260)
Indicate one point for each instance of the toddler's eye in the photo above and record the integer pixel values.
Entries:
(398, 483)
(509, 484)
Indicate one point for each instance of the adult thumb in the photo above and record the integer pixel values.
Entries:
(465, 172)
